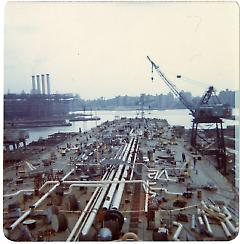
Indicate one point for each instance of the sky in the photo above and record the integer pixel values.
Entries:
(99, 49)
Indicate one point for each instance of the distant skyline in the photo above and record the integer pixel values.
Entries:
(99, 49)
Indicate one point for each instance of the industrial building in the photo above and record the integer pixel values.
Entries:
(40, 103)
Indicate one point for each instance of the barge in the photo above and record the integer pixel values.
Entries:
(127, 179)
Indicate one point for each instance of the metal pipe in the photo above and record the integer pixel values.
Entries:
(76, 226)
(213, 213)
(51, 190)
(112, 189)
(225, 211)
(94, 210)
(177, 209)
(30, 166)
(134, 161)
(151, 175)
(110, 195)
(47, 183)
(18, 192)
(168, 180)
(165, 190)
(215, 208)
(166, 173)
(123, 151)
(87, 209)
(226, 231)
(193, 223)
(86, 227)
(201, 224)
(84, 215)
(79, 185)
(119, 192)
(146, 198)
(210, 232)
(116, 200)
(230, 226)
(178, 231)
(21, 218)
(159, 175)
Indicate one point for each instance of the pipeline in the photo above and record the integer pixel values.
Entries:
(215, 208)
(201, 224)
(120, 172)
(165, 190)
(177, 209)
(79, 185)
(226, 231)
(109, 198)
(76, 226)
(178, 231)
(18, 192)
(119, 192)
(134, 160)
(85, 221)
(146, 199)
(230, 226)
(211, 212)
(209, 229)
(88, 223)
(193, 222)
(35, 205)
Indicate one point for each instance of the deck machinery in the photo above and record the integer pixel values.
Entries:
(208, 110)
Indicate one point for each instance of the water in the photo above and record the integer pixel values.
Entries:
(174, 117)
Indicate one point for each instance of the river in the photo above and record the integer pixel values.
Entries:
(174, 117)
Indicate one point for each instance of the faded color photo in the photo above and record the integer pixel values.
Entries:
(121, 121)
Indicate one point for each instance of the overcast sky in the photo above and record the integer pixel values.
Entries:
(100, 49)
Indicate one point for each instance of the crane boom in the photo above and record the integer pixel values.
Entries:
(172, 87)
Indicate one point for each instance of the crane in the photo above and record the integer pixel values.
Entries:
(203, 112)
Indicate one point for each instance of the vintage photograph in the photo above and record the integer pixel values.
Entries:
(121, 121)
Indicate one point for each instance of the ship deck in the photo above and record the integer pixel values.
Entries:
(129, 169)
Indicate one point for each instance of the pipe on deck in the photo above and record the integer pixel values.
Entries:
(86, 226)
(76, 226)
(146, 198)
(80, 185)
(119, 192)
(230, 226)
(193, 223)
(209, 229)
(215, 208)
(18, 192)
(92, 202)
(21, 218)
(121, 169)
(178, 231)
(226, 231)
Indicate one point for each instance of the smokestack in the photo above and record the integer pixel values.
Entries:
(43, 85)
(33, 85)
(48, 85)
(38, 85)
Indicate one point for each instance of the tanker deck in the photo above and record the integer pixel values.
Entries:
(127, 179)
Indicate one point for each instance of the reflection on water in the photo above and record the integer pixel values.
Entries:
(174, 117)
